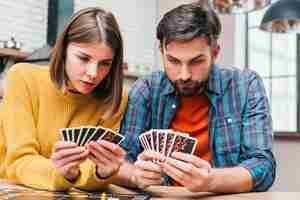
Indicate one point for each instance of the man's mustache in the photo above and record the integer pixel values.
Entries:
(187, 82)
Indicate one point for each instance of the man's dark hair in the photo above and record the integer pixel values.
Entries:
(187, 22)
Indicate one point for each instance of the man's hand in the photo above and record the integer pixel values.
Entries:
(146, 172)
(188, 170)
(107, 156)
(67, 157)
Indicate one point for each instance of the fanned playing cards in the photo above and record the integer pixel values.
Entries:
(167, 141)
(84, 134)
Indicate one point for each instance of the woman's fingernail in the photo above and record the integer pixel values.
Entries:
(82, 149)
(163, 159)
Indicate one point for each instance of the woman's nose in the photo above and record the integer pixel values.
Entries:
(92, 69)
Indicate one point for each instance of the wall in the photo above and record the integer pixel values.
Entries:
(166, 5)
(26, 20)
(288, 160)
(232, 41)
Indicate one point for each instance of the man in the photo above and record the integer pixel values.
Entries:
(224, 108)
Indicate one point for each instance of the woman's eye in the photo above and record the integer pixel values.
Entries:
(106, 64)
(84, 59)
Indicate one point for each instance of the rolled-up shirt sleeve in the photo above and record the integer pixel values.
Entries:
(257, 137)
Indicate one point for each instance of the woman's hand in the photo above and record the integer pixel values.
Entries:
(67, 157)
(107, 156)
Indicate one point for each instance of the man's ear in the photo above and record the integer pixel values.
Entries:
(215, 51)
(161, 49)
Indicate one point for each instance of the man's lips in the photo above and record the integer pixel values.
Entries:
(188, 85)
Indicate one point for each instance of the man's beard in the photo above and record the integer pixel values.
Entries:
(190, 87)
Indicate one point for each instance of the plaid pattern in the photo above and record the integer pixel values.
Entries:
(240, 125)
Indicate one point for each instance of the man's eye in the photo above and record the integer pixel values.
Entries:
(174, 61)
(197, 61)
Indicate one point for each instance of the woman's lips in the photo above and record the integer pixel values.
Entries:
(87, 84)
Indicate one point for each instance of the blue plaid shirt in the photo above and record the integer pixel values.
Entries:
(240, 124)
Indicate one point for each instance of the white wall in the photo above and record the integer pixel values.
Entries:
(288, 160)
(232, 41)
(26, 20)
(166, 5)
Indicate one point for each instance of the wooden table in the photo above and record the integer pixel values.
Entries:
(176, 193)
(11, 191)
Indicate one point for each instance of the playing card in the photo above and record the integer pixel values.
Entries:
(154, 139)
(180, 133)
(87, 136)
(170, 138)
(100, 131)
(148, 136)
(143, 142)
(76, 132)
(161, 141)
(185, 144)
(64, 134)
(82, 135)
(112, 136)
(70, 134)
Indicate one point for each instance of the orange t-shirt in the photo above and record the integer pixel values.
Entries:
(192, 117)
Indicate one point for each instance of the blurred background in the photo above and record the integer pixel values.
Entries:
(29, 29)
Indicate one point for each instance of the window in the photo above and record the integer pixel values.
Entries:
(276, 58)
(58, 14)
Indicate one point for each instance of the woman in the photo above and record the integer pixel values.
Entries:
(82, 86)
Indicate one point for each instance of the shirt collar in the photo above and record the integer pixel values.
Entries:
(215, 80)
(168, 86)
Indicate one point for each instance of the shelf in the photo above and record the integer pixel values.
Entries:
(131, 75)
(287, 135)
(14, 53)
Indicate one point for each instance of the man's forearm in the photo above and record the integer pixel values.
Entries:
(124, 176)
(224, 180)
(230, 180)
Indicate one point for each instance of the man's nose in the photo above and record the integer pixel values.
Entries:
(185, 73)
(92, 69)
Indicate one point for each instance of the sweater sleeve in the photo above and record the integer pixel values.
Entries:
(23, 162)
(88, 180)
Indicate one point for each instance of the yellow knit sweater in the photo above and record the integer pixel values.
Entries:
(31, 114)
